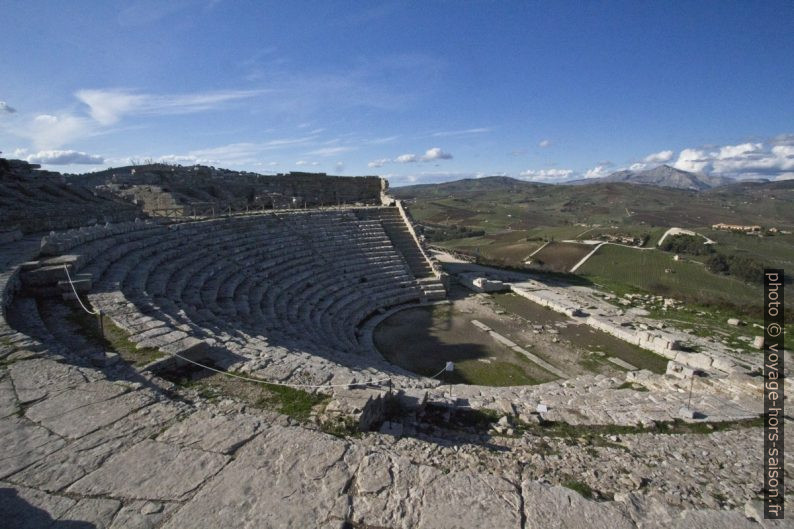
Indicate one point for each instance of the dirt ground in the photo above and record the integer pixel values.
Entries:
(423, 339)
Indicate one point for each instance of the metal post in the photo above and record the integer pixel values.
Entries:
(101, 323)
(390, 387)
(691, 383)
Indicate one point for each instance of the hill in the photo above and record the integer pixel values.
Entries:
(663, 176)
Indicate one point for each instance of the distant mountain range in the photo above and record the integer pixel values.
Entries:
(662, 176)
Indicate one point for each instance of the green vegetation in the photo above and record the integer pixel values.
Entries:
(584, 337)
(342, 427)
(580, 487)
(114, 338)
(560, 256)
(293, 402)
(710, 321)
(441, 232)
(631, 385)
(745, 268)
(656, 272)
(437, 335)
(686, 244)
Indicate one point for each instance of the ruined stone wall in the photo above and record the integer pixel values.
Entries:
(205, 184)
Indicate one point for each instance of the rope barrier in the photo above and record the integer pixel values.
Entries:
(93, 313)
(442, 370)
(317, 386)
(241, 377)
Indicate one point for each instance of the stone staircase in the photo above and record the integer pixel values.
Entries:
(397, 230)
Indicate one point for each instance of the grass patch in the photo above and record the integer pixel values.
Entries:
(342, 427)
(114, 338)
(580, 487)
(292, 402)
(646, 270)
(631, 385)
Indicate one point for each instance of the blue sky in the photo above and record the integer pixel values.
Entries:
(415, 91)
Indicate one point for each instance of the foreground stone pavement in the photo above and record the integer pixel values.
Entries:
(120, 454)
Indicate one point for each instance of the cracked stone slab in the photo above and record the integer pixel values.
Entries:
(37, 378)
(76, 412)
(650, 513)
(143, 514)
(8, 399)
(151, 470)
(97, 513)
(284, 477)
(24, 443)
(32, 509)
(395, 492)
(213, 433)
(556, 507)
(67, 465)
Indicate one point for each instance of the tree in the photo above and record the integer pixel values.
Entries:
(718, 264)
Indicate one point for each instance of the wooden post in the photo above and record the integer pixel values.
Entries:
(101, 323)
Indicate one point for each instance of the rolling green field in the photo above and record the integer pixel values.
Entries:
(518, 217)
(561, 256)
(646, 270)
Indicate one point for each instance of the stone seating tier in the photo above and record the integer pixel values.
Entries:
(301, 281)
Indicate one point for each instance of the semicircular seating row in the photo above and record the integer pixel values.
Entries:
(266, 285)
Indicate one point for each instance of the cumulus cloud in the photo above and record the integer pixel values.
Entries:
(544, 143)
(63, 158)
(599, 171)
(406, 158)
(546, 174)
(378, 163)
(304, 162)
(659, 157)
(436, 154)
(50, 131)
(5, 108)
(745, 160)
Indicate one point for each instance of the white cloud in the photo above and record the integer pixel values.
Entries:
(378, 163)
(659, 157)
(744, 160)
(436, 153)
(598, 171)
(406, 158)
(109, 106)
(638, 166)
(693, 160)
(544, 143)
(330, 151)
(339, 167)
(304, 163)
(445, 133)
(48, 132)
(546, 174)
(64, 158)
(5, 108)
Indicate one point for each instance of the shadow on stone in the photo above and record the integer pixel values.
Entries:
(17, 513)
